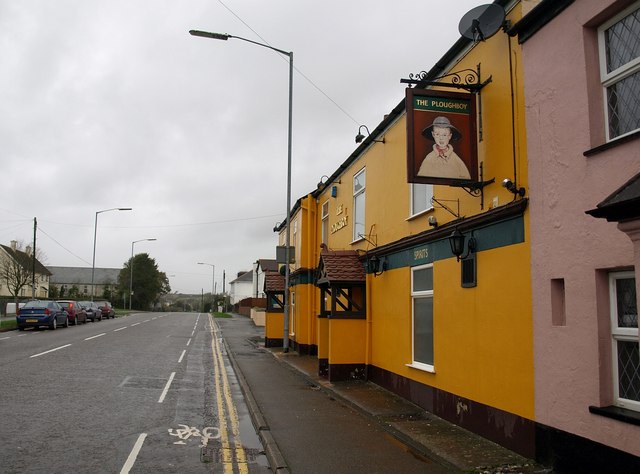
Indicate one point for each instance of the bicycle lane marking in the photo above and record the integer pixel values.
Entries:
(230, 447)
(166, 387)
(133, 454)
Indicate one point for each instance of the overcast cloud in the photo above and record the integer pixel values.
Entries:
(113, 104)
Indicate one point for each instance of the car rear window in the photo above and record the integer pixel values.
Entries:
(35, 304)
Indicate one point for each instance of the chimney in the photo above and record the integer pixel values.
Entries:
(27, 250)
(14, 244)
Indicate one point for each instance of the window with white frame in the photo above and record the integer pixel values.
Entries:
(422, 309)
(295, 234)
(359, 182)
(619, 43)
(421, 195)
(292, 328)
(624, 333)
(325, 222)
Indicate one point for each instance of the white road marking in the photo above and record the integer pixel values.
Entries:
(3, 338)
(134, 324)
(119, 329)
(93, 337)
(52, 350)
(182, 355)
(166, 388)
(133, 454)
(189, 341)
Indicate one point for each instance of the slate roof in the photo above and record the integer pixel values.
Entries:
(341, 266)
(268, 265)
(622, 204)
(273, 282)
(82, 276)
(26, 260)
(246, 276)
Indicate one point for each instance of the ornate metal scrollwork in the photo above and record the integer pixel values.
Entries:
(467, 79)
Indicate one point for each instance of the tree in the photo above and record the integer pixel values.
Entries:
(149, 284)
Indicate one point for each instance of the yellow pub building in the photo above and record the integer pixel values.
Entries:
(376, 291)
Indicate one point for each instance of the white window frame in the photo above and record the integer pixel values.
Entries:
(325, 222)
(360, 193)
(609, 79)
(295, 238)
(619, 334)
(428, 190)
(422, 294)
(292, 330)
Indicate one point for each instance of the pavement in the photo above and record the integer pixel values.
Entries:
(423, 433)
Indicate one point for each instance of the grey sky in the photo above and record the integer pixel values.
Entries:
(113, 104)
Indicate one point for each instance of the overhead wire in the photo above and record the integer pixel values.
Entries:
(313, 84)
(41, 230)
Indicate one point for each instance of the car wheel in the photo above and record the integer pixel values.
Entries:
(20, 328)
(54, 324)
(75, 321)
(66, 322)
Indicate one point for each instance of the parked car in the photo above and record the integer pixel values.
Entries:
(93, 312)
(77, 314)
(37, 313)
(107, 309)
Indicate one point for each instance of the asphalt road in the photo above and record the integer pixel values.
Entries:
(136, 394)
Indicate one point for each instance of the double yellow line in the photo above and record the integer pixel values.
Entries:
(233, 454)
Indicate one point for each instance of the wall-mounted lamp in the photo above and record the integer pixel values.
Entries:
(376, 265)
(322, 183)
(360, 136)
(510, 186)
(456, 241)
(433, 222)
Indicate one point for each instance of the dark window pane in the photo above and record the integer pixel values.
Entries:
(423, 279)
(627, 308)
(623, 100)
(623, 41)
(629, 370)
(423, 330)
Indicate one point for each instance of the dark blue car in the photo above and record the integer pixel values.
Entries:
(37, 313)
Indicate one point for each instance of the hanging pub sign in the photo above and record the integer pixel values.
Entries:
(441, 137)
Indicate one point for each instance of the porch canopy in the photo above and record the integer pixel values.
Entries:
(274, 289)
(341, 277)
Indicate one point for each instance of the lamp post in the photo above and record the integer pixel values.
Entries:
(131, 269)
(225, 37)
(213, 281)
(95, 234)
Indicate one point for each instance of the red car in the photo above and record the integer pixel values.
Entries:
(106, 309)
(77, 313)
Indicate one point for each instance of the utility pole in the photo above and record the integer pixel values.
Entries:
(33, 261)
(224, 294)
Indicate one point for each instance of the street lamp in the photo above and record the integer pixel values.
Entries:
(131, 268)
(213, 281)
(225, 37)
(95, 234)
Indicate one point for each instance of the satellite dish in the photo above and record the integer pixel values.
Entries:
(482, 22)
